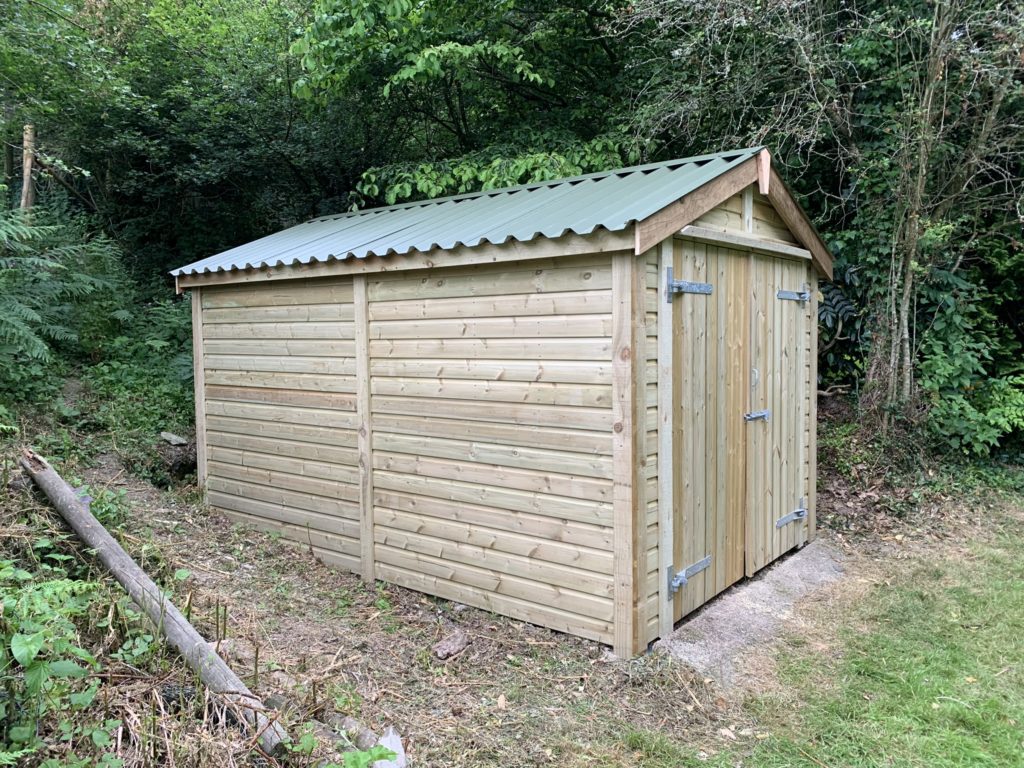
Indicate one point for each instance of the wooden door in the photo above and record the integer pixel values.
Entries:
(778, 409)
(711, 366)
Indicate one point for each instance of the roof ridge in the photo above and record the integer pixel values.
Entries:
(533, 185)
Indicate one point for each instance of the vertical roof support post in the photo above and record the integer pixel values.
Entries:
(628, 455)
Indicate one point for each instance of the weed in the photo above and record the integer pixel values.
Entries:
(346, 698)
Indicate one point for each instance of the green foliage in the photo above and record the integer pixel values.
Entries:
(537, 157)
(143, 384)
(59, 293)
(483, 94)
(187, 127)
(43, 665)
(971, 407)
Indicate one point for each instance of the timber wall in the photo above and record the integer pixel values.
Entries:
(279, 410)
(491, 417)
(486, 419)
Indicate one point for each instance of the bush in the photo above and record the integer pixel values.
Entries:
(143, 385)
(61, 289)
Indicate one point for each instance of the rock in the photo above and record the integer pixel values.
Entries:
(173, 439)
(280, 702)
(282, 680)
(452, 644)
(360, 736)
(178, 698)
(19, 482)
(230, 649)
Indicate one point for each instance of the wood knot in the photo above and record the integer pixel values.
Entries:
(617, 426)
(626, 353)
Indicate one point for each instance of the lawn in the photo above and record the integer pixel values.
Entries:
(929, 671)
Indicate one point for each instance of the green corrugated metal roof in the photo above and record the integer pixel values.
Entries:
(611, 200)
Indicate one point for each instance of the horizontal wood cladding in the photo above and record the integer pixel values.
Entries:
(754, 216)
(281, 431)
(490, 392)
(483, 427)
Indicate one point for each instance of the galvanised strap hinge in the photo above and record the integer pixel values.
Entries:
(757, 415)
(797, 514)
(678, 579)
(803, 295)
(673, 286)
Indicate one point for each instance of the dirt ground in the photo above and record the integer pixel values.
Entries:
(518, 695)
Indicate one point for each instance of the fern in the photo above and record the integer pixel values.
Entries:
(54, 278)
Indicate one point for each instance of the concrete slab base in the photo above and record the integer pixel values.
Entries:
(715, 638)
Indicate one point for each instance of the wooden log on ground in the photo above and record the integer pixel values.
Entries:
(212, 670)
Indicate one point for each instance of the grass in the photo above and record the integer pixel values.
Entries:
(930, 673)
(934, 678)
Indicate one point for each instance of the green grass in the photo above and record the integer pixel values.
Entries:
(937, 680)
(930, 674)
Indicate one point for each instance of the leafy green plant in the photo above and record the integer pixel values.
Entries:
(53, 273)
(42, 662)
(143, 385)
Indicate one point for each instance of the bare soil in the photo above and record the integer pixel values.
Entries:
(323, 642)
(518, 695)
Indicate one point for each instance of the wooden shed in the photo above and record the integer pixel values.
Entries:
(585, 403)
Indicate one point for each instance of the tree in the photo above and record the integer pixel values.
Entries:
(904, 119)
(481, 94)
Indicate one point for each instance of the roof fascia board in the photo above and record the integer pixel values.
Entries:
(674, 216)
(799, 224)
(601, 241)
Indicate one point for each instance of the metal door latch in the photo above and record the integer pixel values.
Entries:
(673, 286)
(757, 415)
(678, 579)
(797, 514)
(803, 295)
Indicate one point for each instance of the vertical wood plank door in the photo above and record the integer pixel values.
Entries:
(779, 412)
(711, 365)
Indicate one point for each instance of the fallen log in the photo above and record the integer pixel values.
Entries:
(198, 654)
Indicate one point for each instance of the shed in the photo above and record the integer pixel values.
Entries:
(586, 403)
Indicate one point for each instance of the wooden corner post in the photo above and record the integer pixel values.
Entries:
(199, 387)
(666, 425)
(365, 427)
(628, 452)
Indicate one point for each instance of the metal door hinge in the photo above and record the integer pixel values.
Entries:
(803, 295)
(757, 415)
(673, 286)
(678, 579)
(797, 514)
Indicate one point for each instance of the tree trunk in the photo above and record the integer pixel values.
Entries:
(198, 654)
(28, 149)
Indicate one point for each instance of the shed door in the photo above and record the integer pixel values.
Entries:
(741, 389)
(778, 410)
(710, 393)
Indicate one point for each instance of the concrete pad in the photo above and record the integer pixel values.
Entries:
(716, 637)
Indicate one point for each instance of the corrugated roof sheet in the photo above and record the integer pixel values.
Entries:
(611, 200)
